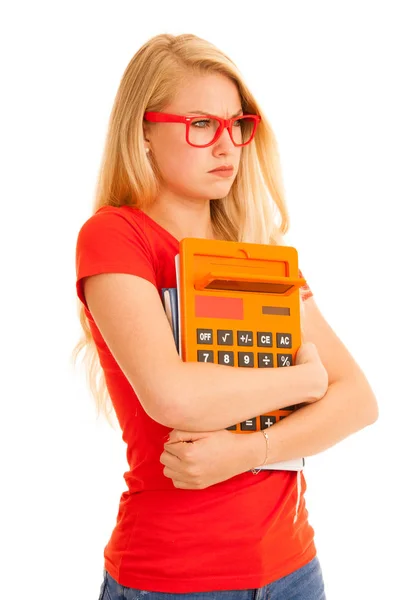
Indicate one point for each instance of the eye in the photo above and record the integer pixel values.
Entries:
(205, 121)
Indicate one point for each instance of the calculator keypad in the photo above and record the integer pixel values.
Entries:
(242, 358)
(226, 337)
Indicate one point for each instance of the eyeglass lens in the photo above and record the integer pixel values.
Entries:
(203, 131)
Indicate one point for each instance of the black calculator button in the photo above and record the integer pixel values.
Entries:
(225, 358)
(204, 336)
(264, 338)
(225, 337)
(285, 360)
(249, 425)
(246, 359)
(267, 421)
(244, 338)
(205, 356)
(265, 360)
(231, 428)
(284, 340)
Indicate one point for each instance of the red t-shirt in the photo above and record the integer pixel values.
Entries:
(239, 534)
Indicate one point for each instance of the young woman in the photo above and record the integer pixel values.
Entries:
(197, 517)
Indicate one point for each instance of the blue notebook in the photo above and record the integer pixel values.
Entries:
(169, 298)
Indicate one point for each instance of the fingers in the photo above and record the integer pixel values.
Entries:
(169, 459)
(179, 436)
(182, 485)
(173, 450)
(182, 450)
(174, 476)
(178, 483)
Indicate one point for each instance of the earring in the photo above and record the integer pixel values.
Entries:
(147, 150)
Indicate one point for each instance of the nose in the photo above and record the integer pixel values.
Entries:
(224, 142)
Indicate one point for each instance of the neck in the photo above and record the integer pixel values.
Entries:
(183, 219)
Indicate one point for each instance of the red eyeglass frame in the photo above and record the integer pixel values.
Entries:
(160, 117)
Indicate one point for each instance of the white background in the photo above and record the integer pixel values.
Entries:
(326, 75)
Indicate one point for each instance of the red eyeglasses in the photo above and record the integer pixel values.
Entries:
(203, 131)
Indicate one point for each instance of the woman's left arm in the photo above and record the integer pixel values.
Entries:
(348, 406)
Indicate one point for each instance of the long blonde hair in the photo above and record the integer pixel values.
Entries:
(255, 202)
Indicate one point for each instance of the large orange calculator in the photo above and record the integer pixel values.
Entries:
(239, 305)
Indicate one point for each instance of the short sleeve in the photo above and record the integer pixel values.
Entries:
(111, 242)
(305, 290)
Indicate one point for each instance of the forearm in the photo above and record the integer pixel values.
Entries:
(213, 397)
(348, 406)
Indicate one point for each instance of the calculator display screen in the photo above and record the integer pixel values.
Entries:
(218, 307)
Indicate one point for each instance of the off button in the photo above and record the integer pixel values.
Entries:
(204, 336)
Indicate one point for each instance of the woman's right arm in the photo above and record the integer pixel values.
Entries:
(191, 396)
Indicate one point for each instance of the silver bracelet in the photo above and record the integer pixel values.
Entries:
(255, 471)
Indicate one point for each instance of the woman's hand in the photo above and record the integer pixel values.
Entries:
(195, 461)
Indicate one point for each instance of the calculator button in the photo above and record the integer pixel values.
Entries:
(225, 358)
(267, 421)
(284, 340)
(264, 338)
(231, 428)
(244, 338)
(249, 425)
(225, 337)
(265, 360)
(285, 360)
(246, 359)
(204, 336)
(205, 356)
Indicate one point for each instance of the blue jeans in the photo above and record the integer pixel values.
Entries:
(305, 583)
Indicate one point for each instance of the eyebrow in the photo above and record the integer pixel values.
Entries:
(201, 112)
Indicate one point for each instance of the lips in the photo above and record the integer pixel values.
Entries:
(226, 168)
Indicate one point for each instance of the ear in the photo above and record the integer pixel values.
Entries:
(146, 130)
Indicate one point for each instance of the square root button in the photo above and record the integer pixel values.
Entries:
(225, 337)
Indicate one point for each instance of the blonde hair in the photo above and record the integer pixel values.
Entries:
(127, 176)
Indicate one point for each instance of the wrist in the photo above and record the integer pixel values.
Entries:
(257, 449)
